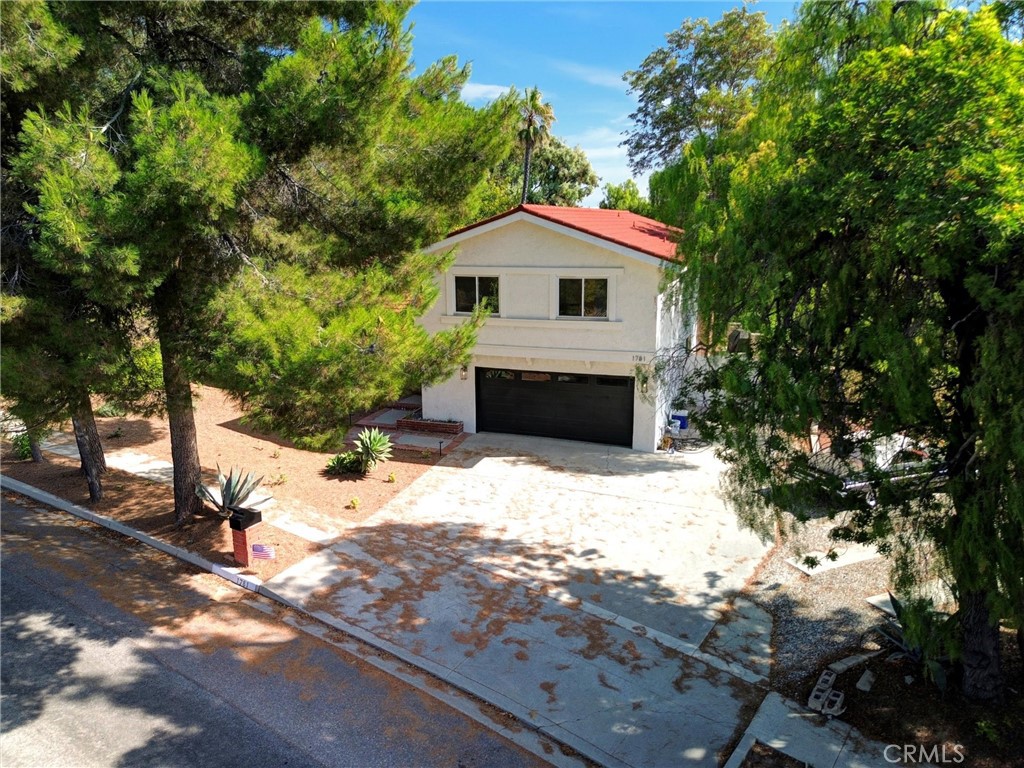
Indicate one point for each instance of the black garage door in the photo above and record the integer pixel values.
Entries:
(570, 406)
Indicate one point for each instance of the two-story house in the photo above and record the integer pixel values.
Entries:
(577, 309)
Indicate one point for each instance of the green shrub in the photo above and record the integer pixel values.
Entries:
(234, 491)
(346, 463)
(327, 441)
(373, 447)
(109, 410)
(22, 446)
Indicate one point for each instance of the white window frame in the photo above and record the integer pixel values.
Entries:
(610, 276)
(475, 273)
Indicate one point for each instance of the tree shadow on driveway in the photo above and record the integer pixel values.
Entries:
(486, 610)
(396, 578)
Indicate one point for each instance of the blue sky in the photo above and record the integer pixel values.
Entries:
(575, 52)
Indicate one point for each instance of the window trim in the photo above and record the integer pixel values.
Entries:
(610, 289)
(476, 274)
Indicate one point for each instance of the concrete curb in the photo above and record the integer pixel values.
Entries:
(740, 753)
(66, 506)
(465, 684)
(452, 678)
(798, 733)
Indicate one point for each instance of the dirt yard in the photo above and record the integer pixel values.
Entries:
(294, 477)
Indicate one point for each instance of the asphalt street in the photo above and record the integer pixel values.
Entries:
(116, 655)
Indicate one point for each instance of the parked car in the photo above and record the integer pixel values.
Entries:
(855, 476)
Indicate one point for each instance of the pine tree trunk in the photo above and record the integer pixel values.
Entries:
(526, 173)
(1020, 631)
(983, 678)
(90, 449)
(178, 389)
(37, 453)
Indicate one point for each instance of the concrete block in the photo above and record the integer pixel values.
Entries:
(834, 704)
(866, 681)
(817, 699)
(850, 662)
(819, 696)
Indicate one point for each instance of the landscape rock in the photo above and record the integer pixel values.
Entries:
(850, 662)
(866, 681)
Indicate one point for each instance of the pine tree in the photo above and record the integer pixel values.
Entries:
(197, 154)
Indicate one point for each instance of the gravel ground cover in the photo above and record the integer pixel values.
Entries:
(824, 617)
(819, 617)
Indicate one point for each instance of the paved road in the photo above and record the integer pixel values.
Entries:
(116, 655)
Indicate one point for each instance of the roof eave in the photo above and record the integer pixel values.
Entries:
(521, 213)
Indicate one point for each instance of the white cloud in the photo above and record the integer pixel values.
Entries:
(602, 147)
(610, 161)
(482, 92)
(606, 78)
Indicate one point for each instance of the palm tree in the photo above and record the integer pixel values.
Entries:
(536, 118)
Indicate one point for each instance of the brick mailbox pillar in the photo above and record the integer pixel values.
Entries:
(244, 524)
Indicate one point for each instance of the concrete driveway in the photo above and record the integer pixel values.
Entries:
(572, 584)
(641, 535)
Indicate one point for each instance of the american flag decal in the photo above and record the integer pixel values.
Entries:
(263, 551)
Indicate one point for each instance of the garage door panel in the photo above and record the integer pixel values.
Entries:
(548, 404)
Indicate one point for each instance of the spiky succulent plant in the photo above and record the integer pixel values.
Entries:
(373, 447)
(235, 491)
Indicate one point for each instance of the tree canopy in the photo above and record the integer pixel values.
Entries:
(252, 177)
(698, 85)
(559, 175)
(870, 234)
(625, 197)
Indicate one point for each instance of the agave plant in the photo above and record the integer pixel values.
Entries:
(922, 635)
(234, 491)
(373, 447)
(344, 463)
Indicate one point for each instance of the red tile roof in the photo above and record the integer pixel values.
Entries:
(620, 227)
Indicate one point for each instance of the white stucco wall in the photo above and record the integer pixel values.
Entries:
(527, 334)
(676, 331)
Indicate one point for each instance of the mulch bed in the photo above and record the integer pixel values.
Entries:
(293, 476)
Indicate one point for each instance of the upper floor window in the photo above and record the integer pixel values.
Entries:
(471, 290)
(583, 297)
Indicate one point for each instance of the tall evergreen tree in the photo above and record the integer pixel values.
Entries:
(328, 327)
(49, 367)
(212, 138)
